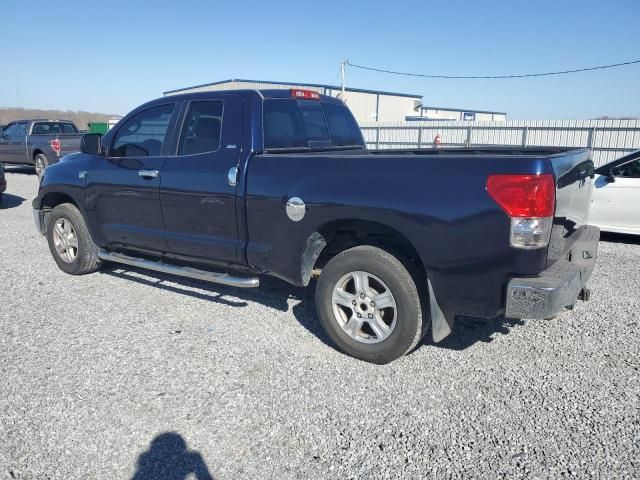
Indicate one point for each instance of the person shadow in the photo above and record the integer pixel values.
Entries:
(168, 458)
(8, 201)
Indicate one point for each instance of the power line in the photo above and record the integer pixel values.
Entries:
(524, 75)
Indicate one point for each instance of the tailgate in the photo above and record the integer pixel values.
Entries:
(574, 174)
(69, 144)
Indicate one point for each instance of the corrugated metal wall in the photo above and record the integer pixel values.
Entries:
(609, 139)
(362, 105)
(396, 109)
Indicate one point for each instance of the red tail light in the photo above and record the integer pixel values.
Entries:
(524, 195)
(305, 94)
(56, 145)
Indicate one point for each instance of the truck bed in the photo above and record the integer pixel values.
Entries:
(437, 198)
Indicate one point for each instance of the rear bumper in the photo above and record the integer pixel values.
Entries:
(557, 287)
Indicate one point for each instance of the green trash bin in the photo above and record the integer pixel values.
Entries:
(98, 127)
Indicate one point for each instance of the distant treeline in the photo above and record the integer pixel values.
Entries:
(81, 119)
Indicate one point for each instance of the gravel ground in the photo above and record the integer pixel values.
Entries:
(125, 373)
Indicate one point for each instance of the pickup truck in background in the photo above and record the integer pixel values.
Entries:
(227, 186)
(38, 142)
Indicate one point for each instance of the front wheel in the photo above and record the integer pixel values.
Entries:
(70, 242)
(369, 304)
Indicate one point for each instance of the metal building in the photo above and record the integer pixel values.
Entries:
(458, 115)
(366, 105)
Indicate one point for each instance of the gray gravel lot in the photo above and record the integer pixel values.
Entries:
(127, 372)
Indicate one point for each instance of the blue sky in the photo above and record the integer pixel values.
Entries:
(109, 56)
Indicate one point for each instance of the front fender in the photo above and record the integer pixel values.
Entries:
(63, 182)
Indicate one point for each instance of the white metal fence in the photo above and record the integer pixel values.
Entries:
(608, 139)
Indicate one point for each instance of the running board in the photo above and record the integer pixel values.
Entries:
(222, 278)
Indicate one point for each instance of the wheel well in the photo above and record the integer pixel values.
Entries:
(53, 199)
(36, 153)
(344, 234)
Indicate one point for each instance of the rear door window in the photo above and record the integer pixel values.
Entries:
(202, 128)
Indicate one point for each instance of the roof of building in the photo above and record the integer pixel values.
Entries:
(446, 109)
(304, 84)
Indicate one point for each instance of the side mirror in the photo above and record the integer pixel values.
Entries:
(613, 173)
(91, 143)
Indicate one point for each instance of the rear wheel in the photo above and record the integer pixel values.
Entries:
(369, 304)
(69, 241)
(40, 162)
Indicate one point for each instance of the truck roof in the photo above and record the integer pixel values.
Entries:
(264, 93)
(23, 120)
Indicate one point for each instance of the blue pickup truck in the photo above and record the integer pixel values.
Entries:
(228, 186)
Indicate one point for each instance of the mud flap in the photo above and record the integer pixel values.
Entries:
(315, 245)
(441, 324)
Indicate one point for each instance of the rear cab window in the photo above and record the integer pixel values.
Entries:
(291, 123)
(53, 128)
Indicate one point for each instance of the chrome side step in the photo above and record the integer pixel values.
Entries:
(223, 278)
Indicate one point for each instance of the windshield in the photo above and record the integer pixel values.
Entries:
(294, 123)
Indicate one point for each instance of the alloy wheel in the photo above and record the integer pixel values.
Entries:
(364, 306)
(65, 240)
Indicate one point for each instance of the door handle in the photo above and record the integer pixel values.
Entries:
(232, 176)
(148, 173)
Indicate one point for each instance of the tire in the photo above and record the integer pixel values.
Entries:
(80, 256)
(406, 320)
(40, 162)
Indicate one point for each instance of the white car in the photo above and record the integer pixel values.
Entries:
(615, 201)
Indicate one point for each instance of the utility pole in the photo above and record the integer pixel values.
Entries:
(342, 65)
